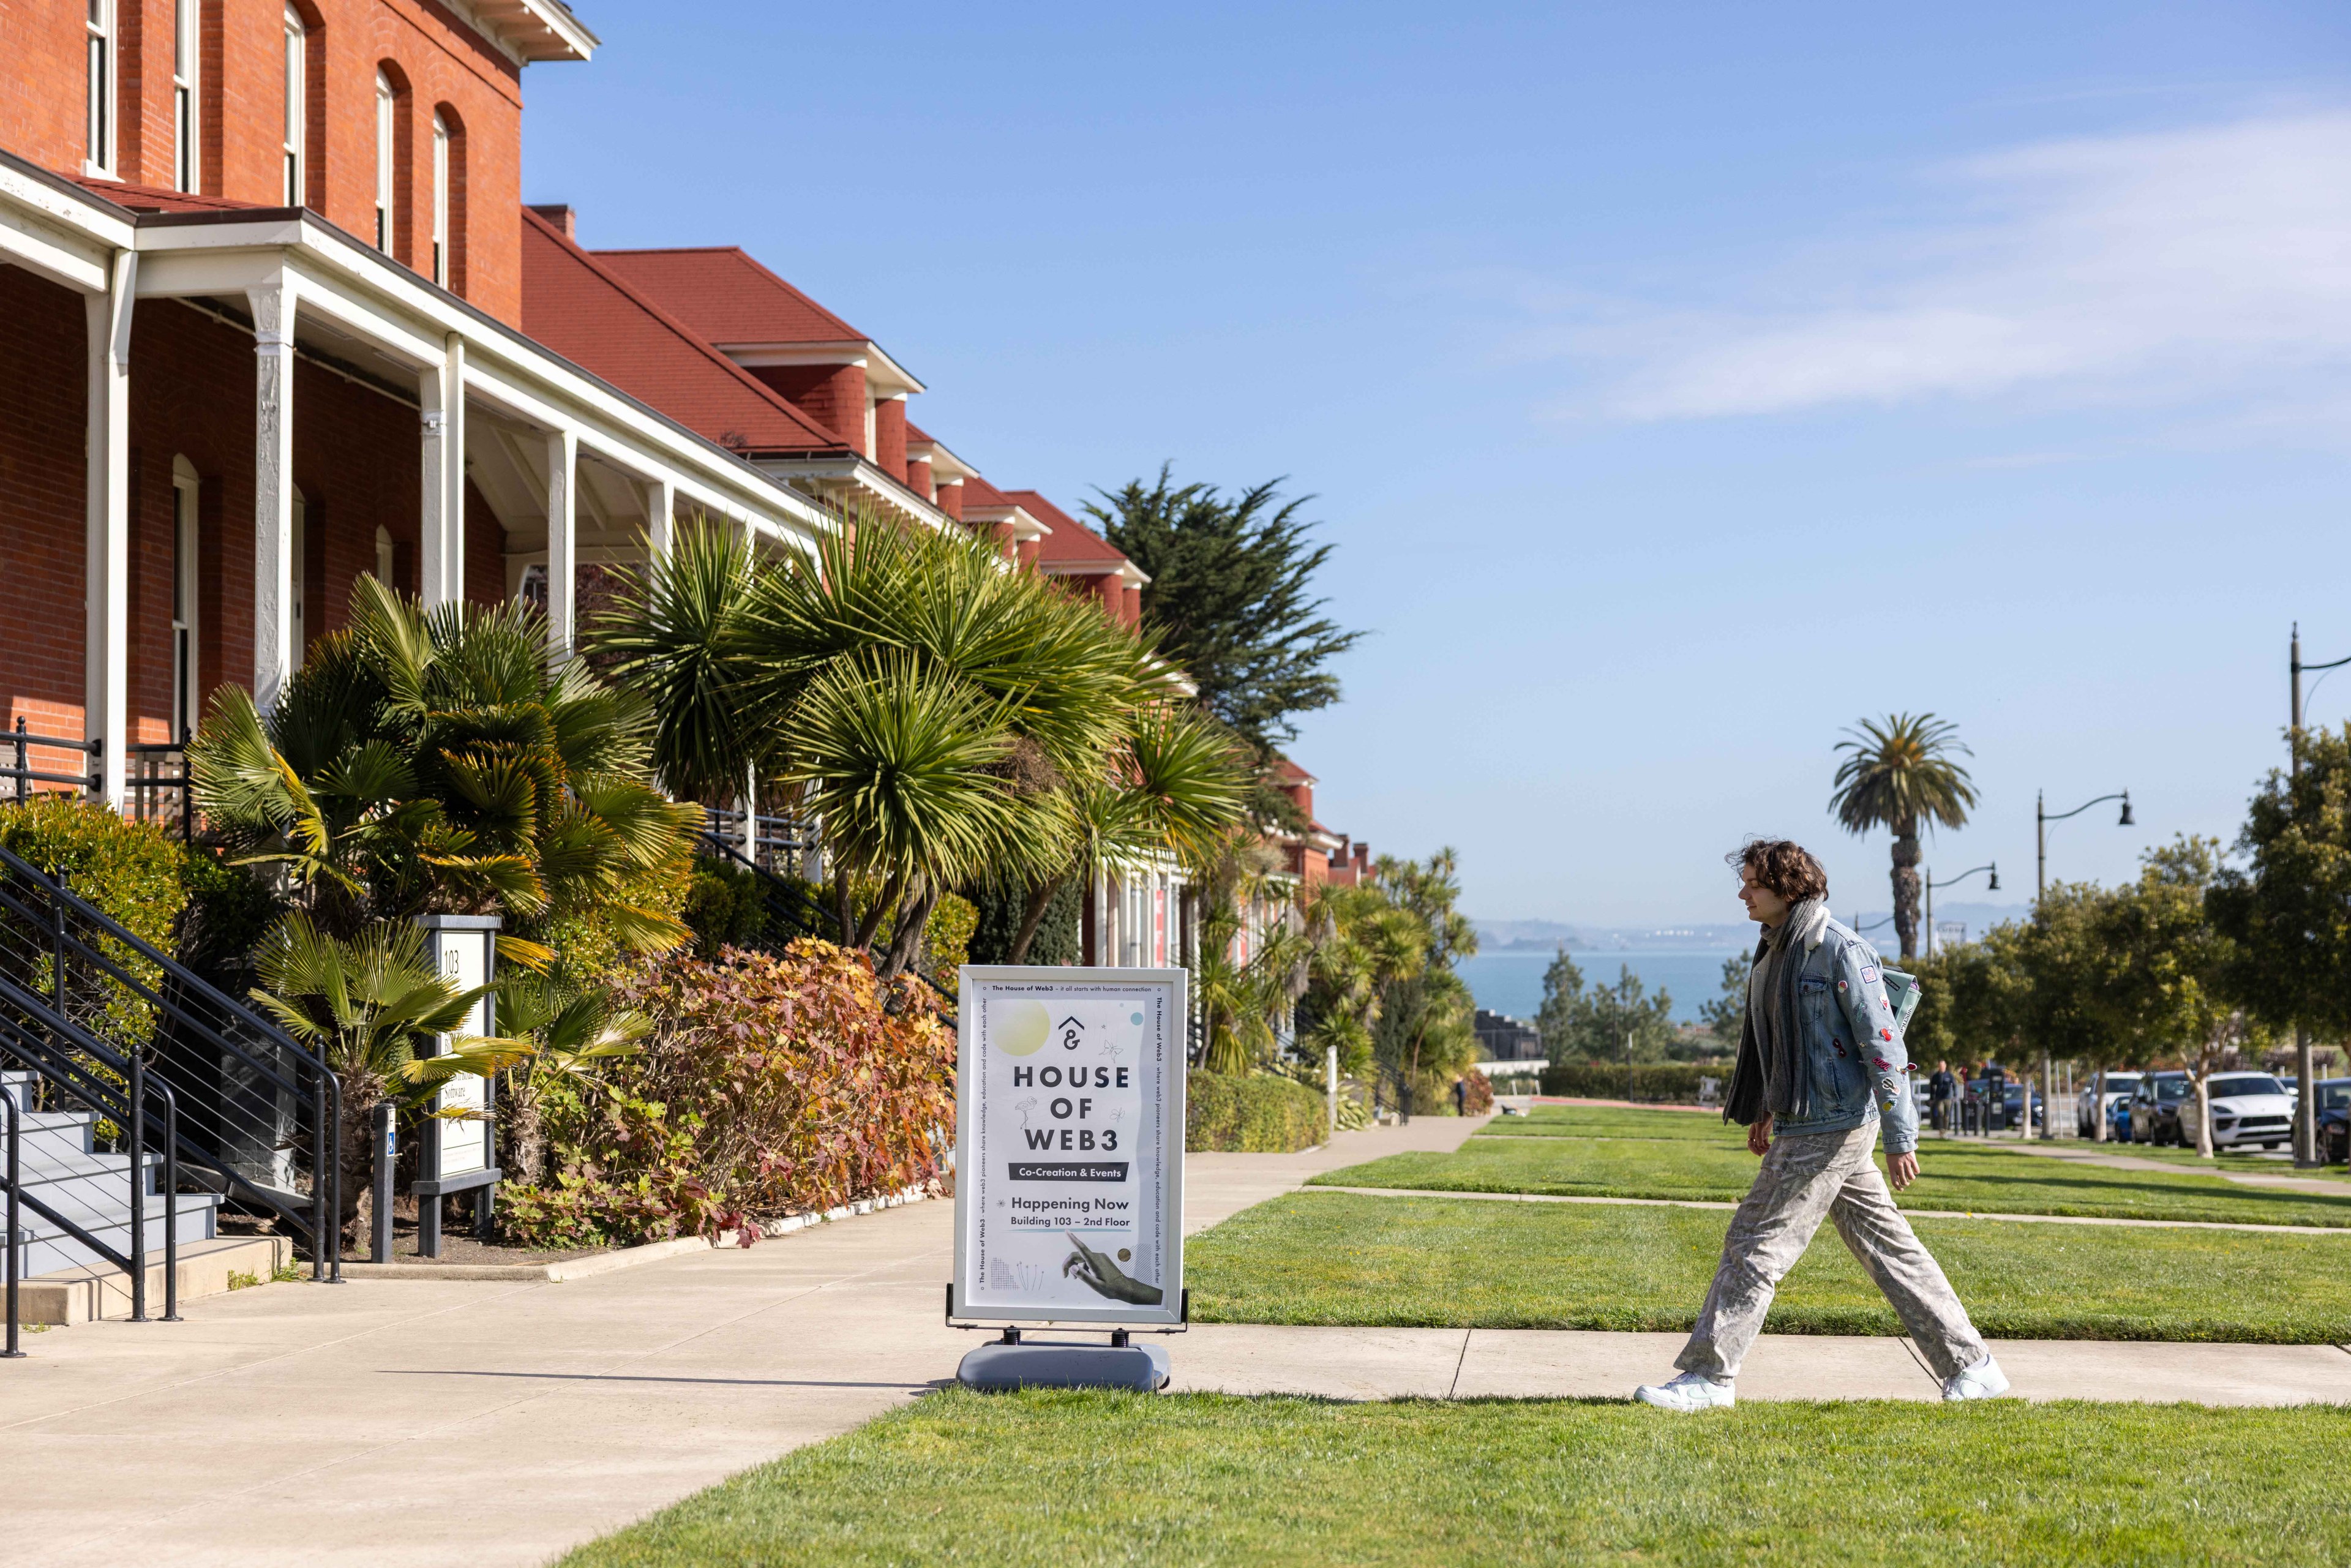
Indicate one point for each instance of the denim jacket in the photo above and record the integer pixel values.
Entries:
(1853, 1043)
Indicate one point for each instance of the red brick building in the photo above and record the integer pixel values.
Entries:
(275, 315)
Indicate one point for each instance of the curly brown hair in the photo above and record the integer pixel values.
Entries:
(1785, 866)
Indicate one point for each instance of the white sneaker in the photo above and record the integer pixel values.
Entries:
(1984, 1380)
(1692, 1391)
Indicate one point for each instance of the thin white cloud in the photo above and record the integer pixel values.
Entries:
(2155, 266)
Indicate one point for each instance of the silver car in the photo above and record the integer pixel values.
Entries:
(2248, 1108)
(2087, 1108)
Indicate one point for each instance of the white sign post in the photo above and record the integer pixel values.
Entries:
(1069, 1166)
(456, 1154)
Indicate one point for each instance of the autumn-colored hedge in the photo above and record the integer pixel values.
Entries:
(1251, 1112)
(769, 1086)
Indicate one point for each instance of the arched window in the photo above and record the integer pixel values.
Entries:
(385, 101)
(297, 106)
(386, 558)
(440, 201)
(186, 47)
(99, 84)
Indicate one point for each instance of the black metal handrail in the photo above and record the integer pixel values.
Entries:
(202, 1034)
(25, 775)
(126, 1108)
(150, 783)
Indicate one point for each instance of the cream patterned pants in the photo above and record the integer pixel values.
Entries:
(1806, 1178)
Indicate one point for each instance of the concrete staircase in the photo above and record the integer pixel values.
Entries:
(58, 1166)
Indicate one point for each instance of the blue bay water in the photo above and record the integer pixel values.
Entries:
(1512, 982)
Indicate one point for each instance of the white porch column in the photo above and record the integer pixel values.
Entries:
(562, 540)
(273, 487)
(441, 530)
(661, 516)
(105, 610)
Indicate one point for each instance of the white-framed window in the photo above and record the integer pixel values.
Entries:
(186, 699)
(440, 201)
(99, 84)
(297, 106)
(386, 557)
(383, 135)
(186, 51)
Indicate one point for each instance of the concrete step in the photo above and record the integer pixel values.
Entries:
(87, 1293)
(47, 1246)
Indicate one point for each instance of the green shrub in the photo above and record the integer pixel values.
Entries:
(726, 908)
(998, 907)
(1661, 1083)
(946, 938)
(1250, 1113)
(133, 872)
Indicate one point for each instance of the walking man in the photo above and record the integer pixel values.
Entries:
(1941, 1090)
(1820, 1057)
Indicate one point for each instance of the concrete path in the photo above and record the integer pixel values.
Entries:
(2086, 1154)
(2341, 1230)
(429, 1422)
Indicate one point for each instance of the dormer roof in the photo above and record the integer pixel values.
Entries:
(750, 313)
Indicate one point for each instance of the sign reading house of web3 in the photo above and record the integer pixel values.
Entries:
(1070, 1145)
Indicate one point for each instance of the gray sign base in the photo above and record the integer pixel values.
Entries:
(1054, 1364)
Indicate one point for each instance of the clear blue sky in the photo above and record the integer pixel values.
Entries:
(1678, 383)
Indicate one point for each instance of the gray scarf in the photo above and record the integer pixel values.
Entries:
(1770, 1073)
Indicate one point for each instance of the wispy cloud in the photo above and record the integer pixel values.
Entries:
(2170, 266)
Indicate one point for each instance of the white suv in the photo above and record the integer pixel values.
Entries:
(2086, 1109)
(2248, 1108)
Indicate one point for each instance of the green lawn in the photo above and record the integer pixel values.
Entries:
(1612, 1121)
(1665, 1153)
(1338, 1257)
(1056, 1479)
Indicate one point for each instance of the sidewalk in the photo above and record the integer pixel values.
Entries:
(428, 1422)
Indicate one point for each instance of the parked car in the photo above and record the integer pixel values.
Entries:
(2247, 1109)
(2334, 1118)
(2120, 1086)
(2154, 1107)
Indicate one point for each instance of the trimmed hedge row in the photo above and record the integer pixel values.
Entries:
(1250, 1113)
(1669, 1082)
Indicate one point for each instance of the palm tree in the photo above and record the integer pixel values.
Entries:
(362, 1005)
(433, 761)
(1897, 774)
(944, 717)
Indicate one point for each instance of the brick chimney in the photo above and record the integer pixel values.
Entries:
(562, 217)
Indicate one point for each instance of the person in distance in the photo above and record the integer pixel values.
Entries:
(1821, 1070)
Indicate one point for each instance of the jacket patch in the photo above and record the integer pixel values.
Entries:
(1869, 974)
(1886, 1034)
(1883, 1065)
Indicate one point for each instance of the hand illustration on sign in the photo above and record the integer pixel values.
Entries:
(1100, 1274)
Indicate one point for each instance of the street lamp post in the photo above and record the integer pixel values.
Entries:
(2041, 818)
(2305, 1073)
(1993, 886)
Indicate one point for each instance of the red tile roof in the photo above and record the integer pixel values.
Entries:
(728, 298)
(1289, 772)
(979, 492)
(1071, 543)
(153, 199)
(583, 311)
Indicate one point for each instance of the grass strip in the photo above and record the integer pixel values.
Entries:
(1971, 1178)
(1073, 1480)
(1347, 1260)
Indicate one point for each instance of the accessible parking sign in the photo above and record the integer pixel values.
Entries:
(1070, 1145)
